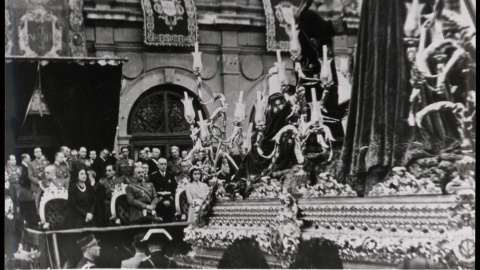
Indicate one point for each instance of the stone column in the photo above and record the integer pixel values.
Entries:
(230, 70)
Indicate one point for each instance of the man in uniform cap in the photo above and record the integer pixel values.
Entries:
(140, 249)
(91, 251)
(156, 240)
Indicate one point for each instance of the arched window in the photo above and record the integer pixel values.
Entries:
(156, 119)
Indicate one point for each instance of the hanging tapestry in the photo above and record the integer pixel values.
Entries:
(279, 15)
(49, 28)
(169, 22)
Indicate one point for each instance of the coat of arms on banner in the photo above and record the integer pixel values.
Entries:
(39, 33)
(279, 16)
(170, 11)
(49, 28)
(170, 22)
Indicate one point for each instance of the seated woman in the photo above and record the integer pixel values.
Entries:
(197, 191)
(81, 199)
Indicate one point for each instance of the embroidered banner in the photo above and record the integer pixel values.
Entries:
(49, 28)
(169, 22)
(278, 14)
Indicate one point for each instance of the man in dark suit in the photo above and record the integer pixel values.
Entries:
(26, 197)
(156, 240)
(142, 157)
(140, 248)
(81, 162)
(165, 183)
(92, 156)
(153, 161)
(100, 163)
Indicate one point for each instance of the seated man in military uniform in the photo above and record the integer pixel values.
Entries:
(51, 179)
(105, 191)
(142, 198)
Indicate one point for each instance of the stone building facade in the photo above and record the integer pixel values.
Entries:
(233, 42)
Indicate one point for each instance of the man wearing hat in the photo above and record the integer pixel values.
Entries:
(91, 251)
(140, 249)
(156, 240)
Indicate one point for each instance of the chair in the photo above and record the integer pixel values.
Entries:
(53, 208)
(119, 206)
(181, 202)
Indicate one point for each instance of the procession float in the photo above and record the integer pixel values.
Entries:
(287, 187)
(285, 182)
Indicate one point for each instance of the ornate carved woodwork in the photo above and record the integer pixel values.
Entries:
(159, 112)
(373, 230)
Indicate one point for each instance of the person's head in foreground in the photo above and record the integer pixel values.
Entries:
(420, 263)
(243, 253)
(138, 244)
(317, 253)
(89, 246)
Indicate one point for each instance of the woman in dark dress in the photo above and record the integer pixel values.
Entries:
(81, 199)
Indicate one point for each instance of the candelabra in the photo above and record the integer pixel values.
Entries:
(208, 132)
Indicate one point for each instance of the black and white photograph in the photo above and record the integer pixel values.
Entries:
(240, 134)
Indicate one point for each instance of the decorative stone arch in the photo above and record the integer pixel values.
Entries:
(165, 75)
(135, 90)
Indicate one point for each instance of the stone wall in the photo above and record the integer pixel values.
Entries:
(231, 37)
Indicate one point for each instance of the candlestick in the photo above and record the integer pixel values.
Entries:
(239, 114)
(240, 97)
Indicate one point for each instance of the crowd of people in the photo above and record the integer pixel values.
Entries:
(151, 182)
(150, 252)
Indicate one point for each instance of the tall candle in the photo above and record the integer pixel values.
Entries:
(185, 95)
(200, 116)
(196, 47)
(279, 57)
(240, 97)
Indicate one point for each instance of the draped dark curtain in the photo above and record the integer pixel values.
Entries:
(377, 133)
(83, 100)
(19, 85)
